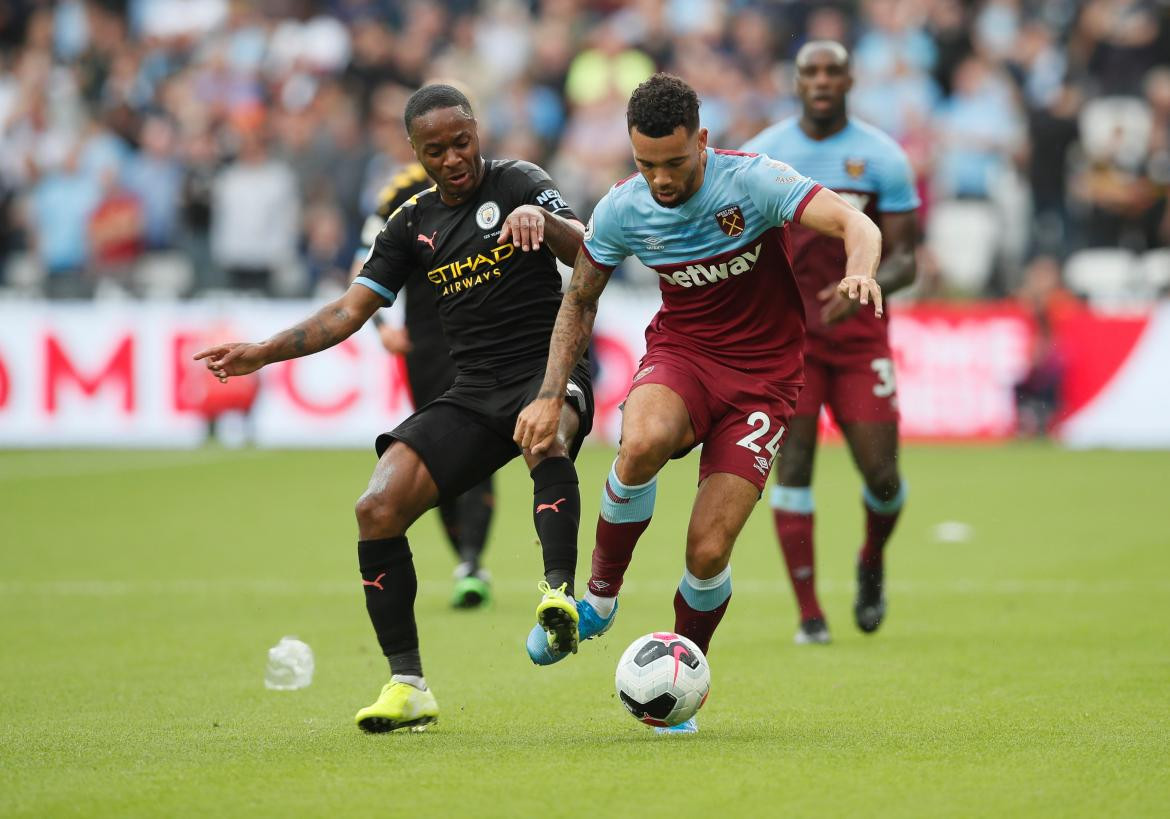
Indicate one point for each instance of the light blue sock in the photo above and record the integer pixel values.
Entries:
(706, 595)
(795, 499)
(621, 503)
(882, 507)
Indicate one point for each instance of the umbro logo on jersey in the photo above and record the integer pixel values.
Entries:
(731, 221)
(654, 243)
(763, 464)
(698, 274)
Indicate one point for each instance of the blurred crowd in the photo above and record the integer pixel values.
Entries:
(180, 147)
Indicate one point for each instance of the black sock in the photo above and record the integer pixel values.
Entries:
(449, 514)
(390, 584)
(475, 517)
(556, 511)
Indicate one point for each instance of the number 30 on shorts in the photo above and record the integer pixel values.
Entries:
(884, 368)
(761, 425)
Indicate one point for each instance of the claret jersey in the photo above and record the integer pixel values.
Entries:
(728, 291)
(497, 303)
(867, 169)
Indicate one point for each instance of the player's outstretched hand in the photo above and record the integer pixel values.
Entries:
(835, 307)
(862, 289)
(524, 227)
(536, 427)
(235, 358)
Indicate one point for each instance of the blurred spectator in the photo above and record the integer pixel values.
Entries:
(978, 131)
(949, 28)
(61, 203)
(1118, 41)
(155, 176)
(115, 235)
(1121, 204)
(327, 253)
(607, 69)
(1053, 132)
(200, 163)
(894, 35)
(255, 214)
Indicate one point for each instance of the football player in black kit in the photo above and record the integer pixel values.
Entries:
(486, 238)
(430, 372)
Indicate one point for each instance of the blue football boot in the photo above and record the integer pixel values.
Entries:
(590, 624)
(688, 727)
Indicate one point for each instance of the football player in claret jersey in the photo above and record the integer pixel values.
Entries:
(430, 372)
(723, 361)
(847, 362)
(486, 238)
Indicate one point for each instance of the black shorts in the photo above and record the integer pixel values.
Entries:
(465, 435)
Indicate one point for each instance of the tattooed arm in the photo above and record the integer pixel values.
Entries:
(333, 323)
(536, 427)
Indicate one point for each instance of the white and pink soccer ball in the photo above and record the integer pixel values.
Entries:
(663, 679)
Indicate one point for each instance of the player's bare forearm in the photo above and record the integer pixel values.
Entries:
(564, 237)
(574, 326)
(863, 245)
(330, 325)
(899, 265)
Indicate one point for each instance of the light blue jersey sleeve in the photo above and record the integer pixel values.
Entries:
(896, 191)
(777, 189)
(604, 244)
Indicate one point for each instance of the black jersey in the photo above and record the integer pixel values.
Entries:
(422, 310)
(496, 302)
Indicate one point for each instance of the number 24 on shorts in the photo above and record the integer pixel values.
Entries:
(761, 424)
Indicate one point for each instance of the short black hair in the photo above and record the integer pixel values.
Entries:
(661, 104)
(434, 96)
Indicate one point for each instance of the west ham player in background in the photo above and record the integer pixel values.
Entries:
(485, 239)
(847, 361)
(723, 359)
(430, 372)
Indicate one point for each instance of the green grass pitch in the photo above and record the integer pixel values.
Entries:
(1023, 672)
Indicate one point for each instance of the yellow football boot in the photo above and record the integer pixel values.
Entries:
(557, 615)
(400, 705)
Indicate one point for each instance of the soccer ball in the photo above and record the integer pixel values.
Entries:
(663, 679)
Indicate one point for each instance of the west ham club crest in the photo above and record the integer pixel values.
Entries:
(731, 221)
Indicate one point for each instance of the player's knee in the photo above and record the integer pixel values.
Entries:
(706, 556)
(641, 456)
(794, 466)
(883, 482)
(376, 516)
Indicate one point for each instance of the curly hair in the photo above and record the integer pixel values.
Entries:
(434, 96)
(661, 104)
